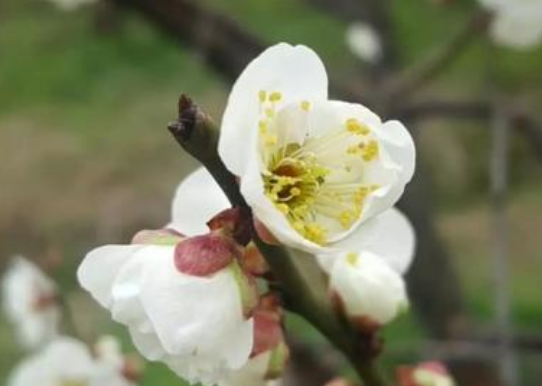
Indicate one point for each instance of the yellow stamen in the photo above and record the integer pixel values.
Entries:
(352, 259)
(305, 105)
(356, 127)
(370, 152)
(262, 125)
(262, 95)
(275, 96)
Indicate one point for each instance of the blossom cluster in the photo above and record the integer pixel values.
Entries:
(31, 302)
(320, 176)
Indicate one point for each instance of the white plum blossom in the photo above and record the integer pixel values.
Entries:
(195, 323)
(30, 303)
(367, 284)
(364, 42)
(516, 23)
(316, 172)
(67, 362)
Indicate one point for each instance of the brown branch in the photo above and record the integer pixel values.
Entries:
(219, 40)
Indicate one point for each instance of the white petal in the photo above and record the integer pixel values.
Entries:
(193, 314)
(197, 199)
(399, 145)
(148, 344)
(296, 72)
(395, 240)
(100, 267)
(369, 288)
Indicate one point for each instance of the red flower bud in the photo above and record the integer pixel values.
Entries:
(205, 255)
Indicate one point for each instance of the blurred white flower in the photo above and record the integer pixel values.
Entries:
(424, 374)
(185, 305)
(30, 303)
(516, 23)
(71, 5)
(364, 42)
(66, 362)
(317, 173)
(367, 284)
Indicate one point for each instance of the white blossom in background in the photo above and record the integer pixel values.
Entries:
(364, 42)
(424, 374)
(516, 23)
(71, 5)
(317, 173)
(368, 284)
(66, 362)
(29, 300)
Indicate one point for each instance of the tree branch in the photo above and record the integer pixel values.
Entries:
(197, 134)
(437, 61)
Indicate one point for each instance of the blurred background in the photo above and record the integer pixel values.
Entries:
(86, 159)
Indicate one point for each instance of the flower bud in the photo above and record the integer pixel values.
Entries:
(205, 255)
(367, 290)
(424, 374)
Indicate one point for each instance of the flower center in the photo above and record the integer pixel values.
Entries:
(311, 182)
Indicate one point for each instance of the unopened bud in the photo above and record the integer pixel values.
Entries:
(205, 255)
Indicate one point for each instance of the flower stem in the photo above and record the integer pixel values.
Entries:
(303, 282)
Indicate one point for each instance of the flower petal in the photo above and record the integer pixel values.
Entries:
(368, 288)
(99, 268)
(395, 240)
(296, 72)
(197, 199)
(208, 309)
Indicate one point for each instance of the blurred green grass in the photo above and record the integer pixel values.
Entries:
(82, 138)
